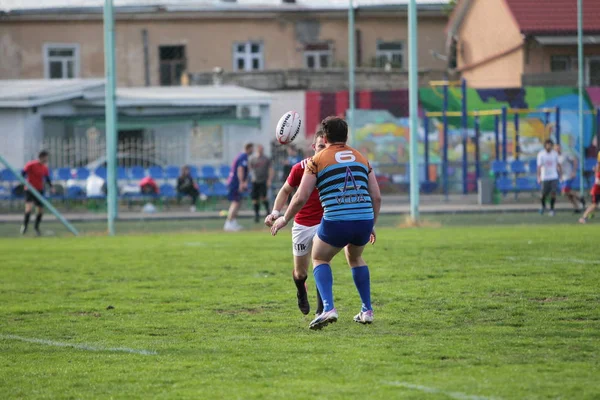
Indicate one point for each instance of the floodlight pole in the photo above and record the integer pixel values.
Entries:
(580, 83)
(351, 68)
(413, 97)
(111, 115)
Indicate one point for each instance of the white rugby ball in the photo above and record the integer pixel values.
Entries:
(288, 127)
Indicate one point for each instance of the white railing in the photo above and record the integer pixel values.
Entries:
(82, 151)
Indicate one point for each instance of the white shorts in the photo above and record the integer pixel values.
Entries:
(302, 239)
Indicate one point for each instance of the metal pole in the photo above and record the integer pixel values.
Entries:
(504, 134)
(426, 145)
(557, 125)
(38, 196)
(597, 128)
(351, 68)
(497, 136)
(477, 155)
(517, 138)
(445, 134)
(465, 159)
(580, 73)
(111, 115)
(413, 107)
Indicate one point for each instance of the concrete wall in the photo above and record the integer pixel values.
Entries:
(209, 42)
(488, 30)
(12, 136)
(540, 56)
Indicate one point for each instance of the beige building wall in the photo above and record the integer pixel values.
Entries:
(540, 56)
(488, 30)
(209, 43)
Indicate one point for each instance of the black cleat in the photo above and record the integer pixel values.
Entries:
(303, 303)
(37, 232)
(23, 229)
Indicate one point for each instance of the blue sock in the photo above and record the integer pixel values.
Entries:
(362, 280)
(324, 279)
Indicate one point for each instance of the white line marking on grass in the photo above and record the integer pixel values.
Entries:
(554, 260)
(427, 389)
(79, 346)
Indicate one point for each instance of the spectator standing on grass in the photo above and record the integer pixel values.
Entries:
(262, 172)
(548, 172)
(37, 174)
(187, 186)
(568, 165)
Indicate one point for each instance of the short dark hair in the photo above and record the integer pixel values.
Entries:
(42, 154)
(248, 146)
(319, 134)
(549, 141)
(335, 129)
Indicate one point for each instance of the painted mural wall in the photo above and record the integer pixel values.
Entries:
(382, 120)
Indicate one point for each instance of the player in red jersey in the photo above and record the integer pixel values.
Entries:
(595, 192)
(36, 172)
(305, 226)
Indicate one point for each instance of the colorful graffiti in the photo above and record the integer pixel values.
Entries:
(382, 125)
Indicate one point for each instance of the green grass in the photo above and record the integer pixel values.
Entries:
(506, 312)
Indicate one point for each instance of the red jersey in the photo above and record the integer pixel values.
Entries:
(312, 212)
(596, 187)
(36, 174)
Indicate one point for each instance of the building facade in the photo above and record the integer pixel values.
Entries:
(514, 43)
(157, 45)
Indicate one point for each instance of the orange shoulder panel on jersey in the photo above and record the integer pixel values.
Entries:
(335, 154)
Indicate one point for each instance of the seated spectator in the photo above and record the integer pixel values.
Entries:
(187, 186)
(149, 186)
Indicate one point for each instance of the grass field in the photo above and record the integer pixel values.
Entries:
(502, 311)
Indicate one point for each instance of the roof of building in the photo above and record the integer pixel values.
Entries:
(540, 17)
(554, 16)
(38, 92)
(191, 96)
(55, 6)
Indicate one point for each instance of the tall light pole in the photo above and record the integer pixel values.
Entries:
(413, 97)
(351, 68)
(110, 115)
(580, 84)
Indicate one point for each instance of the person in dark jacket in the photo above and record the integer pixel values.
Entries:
(187, 186)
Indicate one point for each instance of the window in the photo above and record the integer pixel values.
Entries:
(317, 55)
(592, 71)
(248, 56)
(560, 64)
(61, 61)
(390, 52)
(172, 64)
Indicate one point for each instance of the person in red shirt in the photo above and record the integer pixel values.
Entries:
(595, 192)
(37, 174)
(305, 226)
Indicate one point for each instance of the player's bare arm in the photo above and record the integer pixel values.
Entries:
(298, 201)
(375, 194)
(284, 194)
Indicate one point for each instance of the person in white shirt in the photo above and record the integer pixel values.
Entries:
(548, 171)
(568, 164)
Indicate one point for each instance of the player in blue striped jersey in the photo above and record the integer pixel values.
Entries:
(351, 201)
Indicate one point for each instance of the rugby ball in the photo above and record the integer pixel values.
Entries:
(288, 127)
